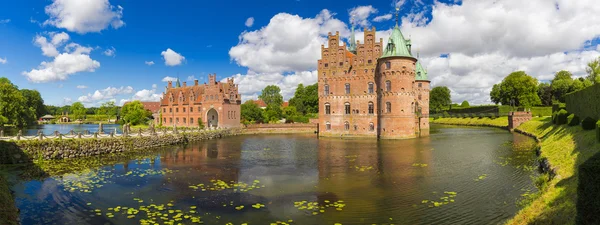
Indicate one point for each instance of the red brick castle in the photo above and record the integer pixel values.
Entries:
(372, 90)
(216, 104)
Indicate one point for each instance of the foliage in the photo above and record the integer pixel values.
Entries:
(518, 87)
(573, 120)
(585, 103)
(593, 70)
(306, 99)
(108, 108)
(78, 110)
(464, 104)
(15, 108)
(545, 94)
(476, 109)
(160, 119)
(273, 113)
(439, 98)
(588, 123)
(501, 122)
(134, 113)
(558, 106)
(588, 191)
(271, 95)
(561, 85)
(561, 117)
(251, 113)
(34, 99)
(289, 112)
(200, 123)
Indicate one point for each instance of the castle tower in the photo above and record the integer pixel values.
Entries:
(422, 85)
(395, 78)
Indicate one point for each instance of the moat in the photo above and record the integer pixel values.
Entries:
(458, 175)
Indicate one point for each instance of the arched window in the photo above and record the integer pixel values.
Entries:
(347, 108)
(346, 125)
(327, 108)
(327, 125)
(355, 127)
(326, 89)
(388, 107)
(371, 127)
(347, 88)
(326, 64)
(388, 65)
(371, 87)
(191, 121)
(388, 85)
(420, 85)
(371, 108)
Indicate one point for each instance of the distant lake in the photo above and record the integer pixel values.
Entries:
(48, 129)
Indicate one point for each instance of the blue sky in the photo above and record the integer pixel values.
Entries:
(205, 32)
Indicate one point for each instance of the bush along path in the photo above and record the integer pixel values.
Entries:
(563, 148)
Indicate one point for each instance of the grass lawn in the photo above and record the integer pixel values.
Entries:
(497, 122)
(565, 148)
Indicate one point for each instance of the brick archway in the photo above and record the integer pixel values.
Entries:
(212, 118)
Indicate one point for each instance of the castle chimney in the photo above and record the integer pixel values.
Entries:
(195, 82)
(170, 85)
(184, 83)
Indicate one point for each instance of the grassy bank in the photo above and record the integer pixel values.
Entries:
(565, 148)
(8, 210)
(501, 122)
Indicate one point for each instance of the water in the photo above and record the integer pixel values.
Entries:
(377, 182)
(48, 129)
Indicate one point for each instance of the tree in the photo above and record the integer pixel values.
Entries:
(200, 123)
(34, 99)
(12, 104)
(464, 104)
(108, 108)
(577, 85)
(439, 98)
(517, 87)
(593, 71)
(545, 94)
(561, 85)
(306, 99)
(271, 96)
(251, 113)
(78, 110)
(298, 100)
(134, 113)
(289, 113)
(273, 113)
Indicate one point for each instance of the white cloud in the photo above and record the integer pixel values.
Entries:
(149, 63)
(4, 21)
(172, 58)
(154, 86)
(81, 87)
(147, 95)
(84, 16)
(3, 60)
(288, 43)
(168, 78)
(110, 52)
(191, 78)
(383, 18)
(360, 14)
(74, 59)
(399, 3)
(107, 93)
(249, 22)
(251, 84)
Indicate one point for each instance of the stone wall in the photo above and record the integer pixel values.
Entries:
(517, 118)
(14, 152)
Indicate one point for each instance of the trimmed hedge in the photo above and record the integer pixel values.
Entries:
(588, 191)
(561, 117)
(598, 131)
(585, 103)
(588, 123)
(573, 120)
(477, 109)
(558, 106)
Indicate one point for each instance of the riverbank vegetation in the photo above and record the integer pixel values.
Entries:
(302, 107)
(19, 107)
(565, 147)
(501, 122)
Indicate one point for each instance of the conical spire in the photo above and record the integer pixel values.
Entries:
(178, 84)
(421, 74)
(352, 47)
(397, 45)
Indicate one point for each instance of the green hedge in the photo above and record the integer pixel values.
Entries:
(477, 109)
(558, 106)
(573, 120)
(588, 123)
(562, 117)
(598, 131)
(588, 191)
(585, 103)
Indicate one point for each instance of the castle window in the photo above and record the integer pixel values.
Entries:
(165, 120)
(323, 73)
(164, 110)
(333, 73)
(170, 99)
(191, 121)
(326, 64)
(371, 108)
(355, 127)
(327, 108)
(341, 63)
(354, 72)
(170, 110)
(388, 65)
(346, 125)
(326, 87)
(177, 120)
(347, 108)
(328, 125)
(419, 97)
(370, 61)
(371, 127)
(366, 71)
(199, 109)
(184, 109)
(183, 120)
(170, 120)
(388, 85)
(191, 109)
(176, 110)
(420, 85)
(388, 107)
(370, 87)
(347, 88)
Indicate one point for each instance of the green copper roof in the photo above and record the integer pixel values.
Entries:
(397, 45)
(352, 46)
(178, 84)
(421, 74)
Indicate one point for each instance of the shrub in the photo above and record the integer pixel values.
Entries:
(598, 131)
(561, 117)
(554, 117)
(446, 114)
(585, 103)
(573, 120)
(588, 191)
(588, 123)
